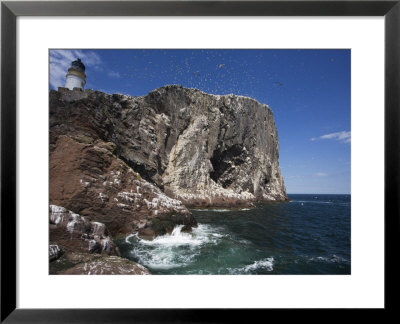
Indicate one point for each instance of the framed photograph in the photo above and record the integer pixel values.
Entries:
(197, 155)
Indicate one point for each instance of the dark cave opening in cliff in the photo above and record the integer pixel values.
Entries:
(223, 161)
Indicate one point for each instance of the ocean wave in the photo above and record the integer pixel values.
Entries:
(162, 258)
(128, 237)
(216, 210)
(173, 250)
(243, 241)
(200, 235)
(312, 202)
(221, 210)
(264, 264)
(333, 259)
(218, 235)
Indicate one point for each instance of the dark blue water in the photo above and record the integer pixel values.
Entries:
(308, 235)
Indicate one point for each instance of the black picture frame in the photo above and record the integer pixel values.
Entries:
(10, 10)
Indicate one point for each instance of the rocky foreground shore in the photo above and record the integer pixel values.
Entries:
(121, 165)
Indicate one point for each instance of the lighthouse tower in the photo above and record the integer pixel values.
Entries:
(76, 77)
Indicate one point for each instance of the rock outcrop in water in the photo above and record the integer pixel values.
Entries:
(134, 164)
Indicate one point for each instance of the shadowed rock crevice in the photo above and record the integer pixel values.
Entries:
(142, 169)
(224, 161)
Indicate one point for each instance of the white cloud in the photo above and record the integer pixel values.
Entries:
(60, 61)
(321, 174)
(343, 136)
(114, 74)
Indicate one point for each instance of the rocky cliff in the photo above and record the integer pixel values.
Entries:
(86, 177)
(134, 164)
(201, 149)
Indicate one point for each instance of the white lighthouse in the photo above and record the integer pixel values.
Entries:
(76, 77)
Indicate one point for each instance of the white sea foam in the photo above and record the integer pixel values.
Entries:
(200, 235)
(127, 238)
(267, 264)
(264, 264)
(162, 257)
(173, 250)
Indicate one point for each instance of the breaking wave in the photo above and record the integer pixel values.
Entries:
(174, 250)
(200, 235)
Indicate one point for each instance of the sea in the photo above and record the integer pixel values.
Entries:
(310, 234)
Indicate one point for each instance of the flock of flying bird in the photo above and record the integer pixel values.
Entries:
(194, 69)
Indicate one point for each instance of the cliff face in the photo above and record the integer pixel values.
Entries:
(121, 164)
(86, 177)
(200, 149)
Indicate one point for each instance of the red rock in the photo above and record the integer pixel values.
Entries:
(89, 180)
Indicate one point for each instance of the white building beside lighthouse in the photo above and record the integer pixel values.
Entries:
(76, 77)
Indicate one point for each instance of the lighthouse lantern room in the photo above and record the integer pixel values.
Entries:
(76, 77)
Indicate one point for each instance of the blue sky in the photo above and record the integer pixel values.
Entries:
(307, 90)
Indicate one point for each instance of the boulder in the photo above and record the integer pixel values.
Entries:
(78, 263)
(54, 252)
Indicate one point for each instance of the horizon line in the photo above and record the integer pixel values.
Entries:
(314, 193)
